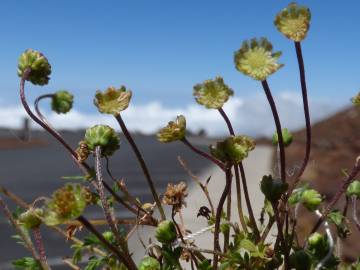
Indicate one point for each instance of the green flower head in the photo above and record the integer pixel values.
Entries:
(166, 232)
(212, 93)
(67, 203)
(356, 100)
(233, 149)
(174, 131)
(311, 199)
(112, 100)
(104, 136)
(273, 189)
(287, 137)
(62, 101)
(256, 59)
(354, 189)
(293, 21)
(149, 263)
(31, 218)
(317, 242)
(38, 64)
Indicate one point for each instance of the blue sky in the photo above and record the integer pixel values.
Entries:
(160, 49)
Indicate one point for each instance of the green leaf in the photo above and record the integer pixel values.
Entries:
(27, 263)
(94, 263)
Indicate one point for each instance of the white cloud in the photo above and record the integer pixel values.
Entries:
(250, 115)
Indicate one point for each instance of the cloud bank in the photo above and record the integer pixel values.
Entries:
(250, 115)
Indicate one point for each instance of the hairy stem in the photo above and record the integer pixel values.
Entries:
(129, 263)
(228, 217)
(142, 164)
(28, 244)
(278, 128)
(218, 217)
(40, 245)
(203, 154)
(104, 202)
(281, 235)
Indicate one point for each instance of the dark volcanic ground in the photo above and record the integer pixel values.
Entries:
(35, 169)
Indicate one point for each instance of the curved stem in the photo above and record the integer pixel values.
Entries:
(123, 258)
(142, 164)
(104, 201)
(38, 112)
(306, 113)
(36, 119)
(278, 129)
(346, 182)
(205, 155)
(237, 179)
(218, 217)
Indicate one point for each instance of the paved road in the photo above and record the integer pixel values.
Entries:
(37, 171)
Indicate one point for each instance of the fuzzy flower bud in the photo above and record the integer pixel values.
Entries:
(149, 263)
(311, 199)
(38, 64)
(104, 136)
(174, 131)
(112, 100)
(62, 101)
(31, 218)
(233, 149)
(256, 59)
(166, 232)
(356, 100)
(287, 137)
(317, 242)
(212, 93)
(354, 189)
(293, 21)
(273, 189)
(67, 203)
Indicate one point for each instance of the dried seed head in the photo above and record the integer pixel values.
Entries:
(175, 195)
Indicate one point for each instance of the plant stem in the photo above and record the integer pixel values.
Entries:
(104, 202)
(248, 203)
(142, 164)
(203, 154)
(345, 184)
(228, 217)
(28, 244)
(281, 235)
(354, 214)
(129, 263)
(40, 245)
(218, 217)
(237, 178)
(38, 112)
(35, 118)
(278, 128)
(306, 111)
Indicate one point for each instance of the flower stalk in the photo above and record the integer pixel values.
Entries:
(142, 164)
